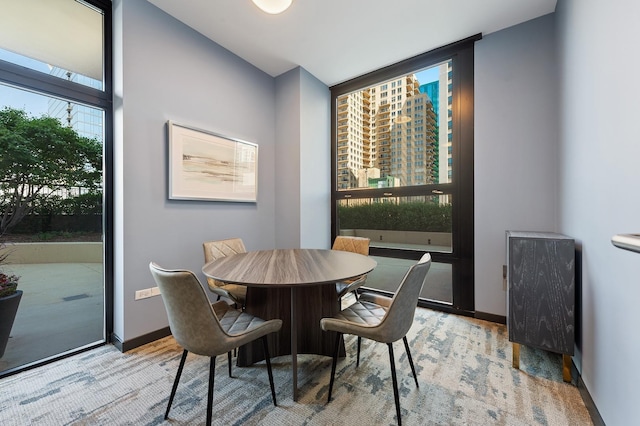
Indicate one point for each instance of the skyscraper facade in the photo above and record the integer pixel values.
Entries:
(445, 122)
(354, 137)
(86, 121)
(440, 94)
(387, 135)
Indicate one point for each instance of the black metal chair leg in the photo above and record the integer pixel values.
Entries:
(212, 371)
(175, 383)
(413, 370)
(395, 383)
(229, 359)
(267, 357)
(358, 357)
(333, 365)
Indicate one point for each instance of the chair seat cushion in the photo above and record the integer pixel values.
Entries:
(237, 293)
(236, 289)
(346, 286)
(365, 313)
(237, 322)
(240, 326)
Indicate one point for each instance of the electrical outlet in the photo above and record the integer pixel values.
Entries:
(143, 294)
(147, 292)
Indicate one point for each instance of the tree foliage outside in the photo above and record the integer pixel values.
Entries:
(411, 216)
(43, 164)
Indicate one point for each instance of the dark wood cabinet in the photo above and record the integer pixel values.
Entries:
(541, 293)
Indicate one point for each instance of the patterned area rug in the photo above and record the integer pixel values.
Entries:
(463, 365)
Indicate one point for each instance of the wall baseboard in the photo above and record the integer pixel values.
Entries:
(588, 401)
(500, 319)
(140, 340)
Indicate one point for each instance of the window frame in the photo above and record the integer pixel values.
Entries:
(461, 258)
(32, 80)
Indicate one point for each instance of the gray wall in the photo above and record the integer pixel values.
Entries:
(556, 148)
(166, 71)
(287, 221)
(315, 158)
(599, 180)
(516, 146)
(303, 156)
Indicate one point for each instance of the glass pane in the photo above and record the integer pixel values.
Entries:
(396, 133)
(63, 38)
(420, 222)
(51, 188)
(389, 272)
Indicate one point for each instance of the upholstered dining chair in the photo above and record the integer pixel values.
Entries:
(386, 321)
(206, 329)
(358, 245)
(216, 249)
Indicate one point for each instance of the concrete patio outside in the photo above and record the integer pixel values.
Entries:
(62, 309)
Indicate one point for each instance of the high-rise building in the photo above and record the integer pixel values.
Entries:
(432, 90)
(354, 138)
(390, 127)
(86, 121)
(445, 123)
(440, 94)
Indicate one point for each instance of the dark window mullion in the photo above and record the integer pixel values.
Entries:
(26, 78)
(400, 191)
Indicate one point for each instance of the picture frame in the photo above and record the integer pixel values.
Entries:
(209, 166)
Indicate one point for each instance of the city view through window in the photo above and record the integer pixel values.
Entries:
(54, 109)
(54, 229)
(394, 169)
(397, 133)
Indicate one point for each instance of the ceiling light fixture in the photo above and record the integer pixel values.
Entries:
(273, 6)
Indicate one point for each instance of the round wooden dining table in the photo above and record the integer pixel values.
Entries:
(296, 286)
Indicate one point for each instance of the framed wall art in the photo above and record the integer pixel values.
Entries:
(207, 166)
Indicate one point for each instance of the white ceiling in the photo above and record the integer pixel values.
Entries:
(336, 40)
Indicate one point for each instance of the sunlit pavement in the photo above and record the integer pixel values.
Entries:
(389, 272)
(62, 308)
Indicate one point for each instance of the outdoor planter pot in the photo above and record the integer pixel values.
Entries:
(8, 310)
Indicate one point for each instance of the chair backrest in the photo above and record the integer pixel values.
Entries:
(192, 320)
(399, 317)
(358, 245)
(216, 249)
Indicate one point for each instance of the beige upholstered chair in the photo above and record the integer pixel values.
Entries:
(358, 245)
(216, 249)
(386, 321)
(204, 329)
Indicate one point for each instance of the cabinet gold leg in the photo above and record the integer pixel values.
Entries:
(516, 355)
(566, 368)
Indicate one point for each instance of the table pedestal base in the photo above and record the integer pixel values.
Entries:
(300, 309)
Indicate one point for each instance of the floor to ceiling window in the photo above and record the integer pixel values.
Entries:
(403, 170)
(55, 168)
